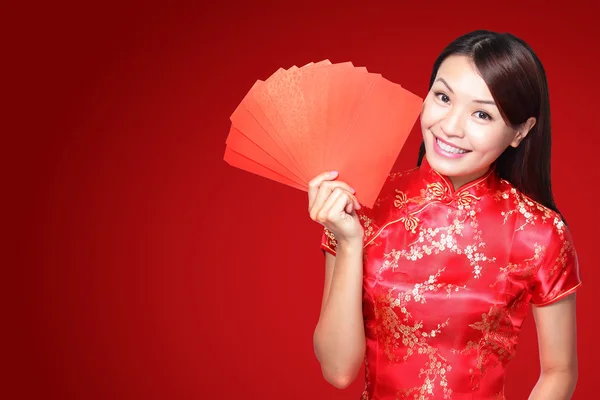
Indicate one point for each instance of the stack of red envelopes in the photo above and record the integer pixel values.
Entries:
(321, 117)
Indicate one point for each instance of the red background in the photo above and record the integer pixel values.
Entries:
(150, 269)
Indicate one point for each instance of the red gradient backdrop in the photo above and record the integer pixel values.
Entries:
(150, 269)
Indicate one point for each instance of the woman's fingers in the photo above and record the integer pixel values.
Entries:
(315, 184)
(325, 189)
(324, 212)
(356, 203)
(349, 207)
(336, 203)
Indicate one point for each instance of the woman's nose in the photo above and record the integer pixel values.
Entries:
(452, 124)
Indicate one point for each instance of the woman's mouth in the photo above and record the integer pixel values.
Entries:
(449, 150)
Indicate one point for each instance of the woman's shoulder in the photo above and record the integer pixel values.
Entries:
(545, 241)
(397, 175)
(375, 217)
(530, 215)
(396, 180)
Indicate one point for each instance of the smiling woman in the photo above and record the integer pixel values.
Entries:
(490, 91)
(463, 131)
(431, 286)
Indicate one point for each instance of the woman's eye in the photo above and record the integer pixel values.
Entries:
(483, 115)
(443, 97)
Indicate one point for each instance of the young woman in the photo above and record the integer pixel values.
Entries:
(430, 287)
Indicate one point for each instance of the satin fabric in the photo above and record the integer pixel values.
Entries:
(448, 278)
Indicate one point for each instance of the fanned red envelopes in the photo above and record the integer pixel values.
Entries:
(321, 117)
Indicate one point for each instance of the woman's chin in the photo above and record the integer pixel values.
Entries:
(451, 167)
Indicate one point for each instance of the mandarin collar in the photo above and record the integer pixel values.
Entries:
(441, 183)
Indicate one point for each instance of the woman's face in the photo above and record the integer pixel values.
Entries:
(462, 128)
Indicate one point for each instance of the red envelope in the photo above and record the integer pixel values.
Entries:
(237, 160)
(319, 117)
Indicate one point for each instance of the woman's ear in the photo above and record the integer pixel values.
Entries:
(522, 131)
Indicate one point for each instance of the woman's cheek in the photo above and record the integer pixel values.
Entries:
(484, 139)
(431, 114)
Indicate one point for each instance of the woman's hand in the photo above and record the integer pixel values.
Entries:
(333, 204)
(339, 338)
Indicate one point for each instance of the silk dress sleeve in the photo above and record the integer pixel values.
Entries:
(329, 242)
(370, 218)
(558, 274)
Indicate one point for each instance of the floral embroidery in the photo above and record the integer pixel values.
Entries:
(437, 191)
(331, 240)
(498, 339)
(561, 261)
(523, 205)
(401, 199)
(526, 269)
(413, 337)
(434, 369)
(449, 276)
(464, 199)
(410, 223)
(428, 243)
(367, 385)
(434, 192)
(399, 174)
(367, 224)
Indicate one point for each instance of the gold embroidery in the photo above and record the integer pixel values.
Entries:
(331, 240)
(465, 199)
(525, 269)
(401, 199)
(367, 384)
(524, 205)
(498, 338)
(368, 228)
(560, 225)
(435, 240)
(560, 266)
(399, 174)
(367, 224)
(434, 192)
(561, 261)
(413, 337)
(426, 243)
(410, 223)
(437, 191)
(401, 336)
(437, 366)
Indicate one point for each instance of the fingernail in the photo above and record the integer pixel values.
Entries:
(334, 172)
(353, 190)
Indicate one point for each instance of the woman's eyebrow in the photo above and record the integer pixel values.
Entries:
(492, 102)
(445, 83)
(485, 102)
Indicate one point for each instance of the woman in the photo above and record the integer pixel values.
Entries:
(430, 287)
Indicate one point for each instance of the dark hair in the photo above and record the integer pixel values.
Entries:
(517, 82)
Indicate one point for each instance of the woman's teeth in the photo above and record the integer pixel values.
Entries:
(449, 148)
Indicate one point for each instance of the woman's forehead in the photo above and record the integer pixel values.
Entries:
(462, 76)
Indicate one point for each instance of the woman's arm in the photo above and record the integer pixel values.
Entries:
(557, 339)
(339, 337)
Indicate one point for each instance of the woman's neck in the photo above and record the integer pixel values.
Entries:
(460, 181)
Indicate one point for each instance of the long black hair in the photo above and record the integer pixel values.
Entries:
(517, 81)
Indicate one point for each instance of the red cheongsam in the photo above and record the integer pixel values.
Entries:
(448, 279)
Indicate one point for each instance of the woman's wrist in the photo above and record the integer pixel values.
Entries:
(351, 245)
